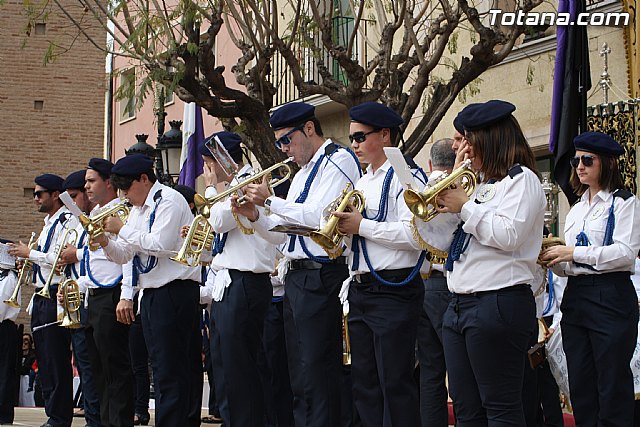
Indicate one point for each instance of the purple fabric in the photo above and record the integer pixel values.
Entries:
(193, 166)
(558, 77)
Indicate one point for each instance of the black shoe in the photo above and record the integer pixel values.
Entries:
(141, 419)
(46, 425)
(212, 419)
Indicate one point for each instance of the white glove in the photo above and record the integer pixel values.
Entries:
(344, 290)
(222, 281)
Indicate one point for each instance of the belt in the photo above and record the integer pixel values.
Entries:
(514, 288)
(308, 264)
(600, 279)
(388, 275)
(98, 291)
(432, 274)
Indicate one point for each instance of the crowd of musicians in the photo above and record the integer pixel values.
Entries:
(465, 283)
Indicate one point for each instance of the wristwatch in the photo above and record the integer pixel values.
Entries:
(267, 206)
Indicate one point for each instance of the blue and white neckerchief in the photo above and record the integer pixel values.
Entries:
(552, 294)
(460, 241)
(219, 241)
(152, 261)
(358, 241)
(37, 271)
(583, 240)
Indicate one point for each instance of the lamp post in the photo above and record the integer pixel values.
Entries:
(141, 147)
(551, 194)
(169, 149)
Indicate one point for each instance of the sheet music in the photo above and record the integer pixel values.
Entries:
(6, 260)
(401, 167)
(66, 199)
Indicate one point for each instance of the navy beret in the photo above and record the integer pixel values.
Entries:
(376, 115)
(478, 116)
(5, 241)
(458, 122)
(230, 140)
(187, 192)
(75, 180)
(132, 165)
(50, 181)
(291, 115)
(101, 166)
(596, 142)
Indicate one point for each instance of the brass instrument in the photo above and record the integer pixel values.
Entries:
(24, 276)
(423, 204)
(330, 238)
(94, 225)
(72, 301)
(199, 239)
(45, 291)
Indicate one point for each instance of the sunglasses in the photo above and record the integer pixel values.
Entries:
(38, 194)
(286, 138)
(361, 137)
(587, 160)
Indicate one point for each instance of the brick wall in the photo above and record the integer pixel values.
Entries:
(64, 133)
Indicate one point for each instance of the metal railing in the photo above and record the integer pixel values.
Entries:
(281, 76)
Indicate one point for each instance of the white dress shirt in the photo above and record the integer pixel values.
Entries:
(591, 217)
(8, 281)
(163, 241)
(333, 175)
(103, 271)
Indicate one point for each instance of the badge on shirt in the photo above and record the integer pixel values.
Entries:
(597, 212)
(486, 193)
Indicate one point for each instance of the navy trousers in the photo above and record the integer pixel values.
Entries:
(239, 320)
(433, 369)
(140, 365)
(313, 332)
(8, 370)
(171, 323)
(599, 334)
(53, 352)
(383, 322)
(485, 337)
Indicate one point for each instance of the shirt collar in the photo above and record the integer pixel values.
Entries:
(51, 219)
(318, 153)
(384, 168)
(152, 192)
(603, 195)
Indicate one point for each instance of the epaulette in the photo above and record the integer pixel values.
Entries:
(515, 170)
(157, 196)
(624, 194)
(330, 149)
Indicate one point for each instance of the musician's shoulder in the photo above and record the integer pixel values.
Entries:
(623, 194)
(515, 170)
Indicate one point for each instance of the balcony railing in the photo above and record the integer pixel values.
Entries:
(281, 76)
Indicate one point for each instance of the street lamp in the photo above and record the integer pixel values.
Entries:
(551, 194)
(141, 147)
(170, 148)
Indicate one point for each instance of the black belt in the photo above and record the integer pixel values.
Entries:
(98, 291)
(308, 264)
(436, 273)
(514, 288)
(600, 279)
(389, 275)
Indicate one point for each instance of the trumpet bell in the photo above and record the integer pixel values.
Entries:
(12, 302)
(71, 305)
(330, 243)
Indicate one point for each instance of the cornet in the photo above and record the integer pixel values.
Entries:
(423, 204)
(45, 291)
(330, 238)
(24, 276)
(72, 301)
(94, 226)
(199, 239)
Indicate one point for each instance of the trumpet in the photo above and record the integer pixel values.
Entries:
(423, 204)
(72, 301)
(94, 226)
(199, 239)
(45, 291)
(23, 276)
(330, 238)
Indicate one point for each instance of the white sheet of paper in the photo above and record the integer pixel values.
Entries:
(400, 167)
(66, 199)
(6, 260)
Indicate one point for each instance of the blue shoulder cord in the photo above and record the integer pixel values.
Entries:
(36, 268)
(583, 240)
(152, 261)
(86, 269)
(552, 294)
(80, 244)
(359, 241)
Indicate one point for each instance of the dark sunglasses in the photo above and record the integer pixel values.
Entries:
(587, 160)
(361, 137)
(38, 194)
(286, 138)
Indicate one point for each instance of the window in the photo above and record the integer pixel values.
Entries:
(127, 92)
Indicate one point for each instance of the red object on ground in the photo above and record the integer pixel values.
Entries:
(568, 418)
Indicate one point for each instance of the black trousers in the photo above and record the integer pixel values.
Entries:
(433, 369)
(313, 332)
(599, 333)
(53, 352)
(383, 323)
(171, 323)
(108, 347)
(239, 320)
(485, 337)
(140, 365)
(8, 371)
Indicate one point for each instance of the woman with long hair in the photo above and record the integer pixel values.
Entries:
(599, 306)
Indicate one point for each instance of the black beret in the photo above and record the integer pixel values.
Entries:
(101, 166)
(132, 165)
(596, 142)
(5, 241)
(458, 122)
(478, 116)
(292, 115)
(230, 140)
(187, 192)
(376, 115)
(75, 180)
(50, 181)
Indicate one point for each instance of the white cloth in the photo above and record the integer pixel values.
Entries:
(505, 235)
(163, 241)
(390, 244)
(592, 217)
(206, 291)
(221, 281)
(8, 281)
(332, 177)
(243, 252)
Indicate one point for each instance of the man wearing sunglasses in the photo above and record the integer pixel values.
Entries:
(312, 310)
(53, 344)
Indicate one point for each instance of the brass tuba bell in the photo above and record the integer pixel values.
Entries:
(72, 301)
(423, 204)
(330, 238)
